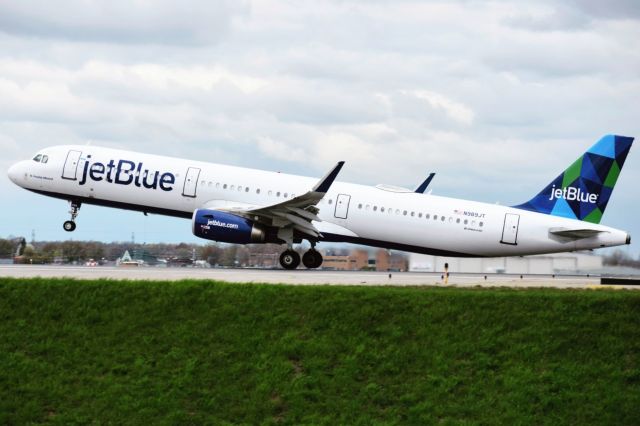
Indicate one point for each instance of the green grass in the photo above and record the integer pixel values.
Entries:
(204, 352)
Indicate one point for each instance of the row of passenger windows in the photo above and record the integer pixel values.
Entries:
(246, 189)
(240, 188)
(419, 215)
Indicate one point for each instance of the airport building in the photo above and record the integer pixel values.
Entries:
(577, 262)
(359, 260)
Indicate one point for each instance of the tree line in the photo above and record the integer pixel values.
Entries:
(82, 251)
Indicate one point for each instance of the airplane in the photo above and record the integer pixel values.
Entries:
(242, 206)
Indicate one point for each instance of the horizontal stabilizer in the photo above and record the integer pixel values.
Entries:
(575, 234)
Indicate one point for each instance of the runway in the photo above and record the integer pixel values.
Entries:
(306, 277)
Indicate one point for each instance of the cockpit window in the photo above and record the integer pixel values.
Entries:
(45, 158)
(37, 158)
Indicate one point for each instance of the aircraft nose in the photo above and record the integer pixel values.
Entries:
(14, 173)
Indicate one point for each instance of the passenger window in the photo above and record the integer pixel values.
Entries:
(45, 159)
(419, 214)
(413, 214)
(257, 190)
(427, 216)
(286, 195)
(473, 223)
(367, 207)
(435, 217)
(397, 211)
(330, 201)
(232, 187)
(404, 213)
(37, 158)
(360, 206)
(278, 194)
(375, 208)
(239, 188)
(382, 209)
(246, 189)
(443, 218)
(270, 193)
(450, 219)
(458, 220)
(224, 186)
(217, 185)
(481, 224)
(466, 221)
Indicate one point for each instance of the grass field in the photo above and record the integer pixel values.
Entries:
(204, 352)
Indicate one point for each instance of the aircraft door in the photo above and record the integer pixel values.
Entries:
(70, 169)
(510, 230)
(191, 182)
(342, 206)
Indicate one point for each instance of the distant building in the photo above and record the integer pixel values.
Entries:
(359, 260)
(538, 264)
(388, 261)
(264, 260)
(355, 261)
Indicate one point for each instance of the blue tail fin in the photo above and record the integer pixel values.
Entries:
(583, 190)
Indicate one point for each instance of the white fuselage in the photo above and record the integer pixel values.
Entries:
(350, 213)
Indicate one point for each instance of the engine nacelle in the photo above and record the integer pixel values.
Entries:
(226, 227)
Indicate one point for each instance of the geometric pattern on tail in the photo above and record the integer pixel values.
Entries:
(583, 190)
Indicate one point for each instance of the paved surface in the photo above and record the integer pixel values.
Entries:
(305, 277)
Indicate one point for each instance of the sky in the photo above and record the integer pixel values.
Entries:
(496, 97)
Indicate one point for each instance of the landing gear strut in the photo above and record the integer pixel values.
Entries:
(70, 225)
(289, 259)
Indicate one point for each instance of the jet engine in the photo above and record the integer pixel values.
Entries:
(227, 228)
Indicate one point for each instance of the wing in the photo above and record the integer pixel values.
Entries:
(297, 213)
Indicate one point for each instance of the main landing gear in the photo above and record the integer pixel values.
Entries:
(70, 225)
(290, 259)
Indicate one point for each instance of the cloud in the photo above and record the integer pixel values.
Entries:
(138, 22)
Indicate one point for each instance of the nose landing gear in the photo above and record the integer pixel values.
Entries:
(70, 225)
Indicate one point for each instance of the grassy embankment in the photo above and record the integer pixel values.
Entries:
(203, 352)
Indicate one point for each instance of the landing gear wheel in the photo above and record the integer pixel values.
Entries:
(70, 225)
(312, 259)
(289, 259)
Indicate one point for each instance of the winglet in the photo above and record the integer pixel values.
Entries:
(424, 185)
(326, 182)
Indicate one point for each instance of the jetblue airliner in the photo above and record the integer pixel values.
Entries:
(242, 206)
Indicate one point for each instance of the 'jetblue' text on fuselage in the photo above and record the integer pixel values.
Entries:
(126, 172)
